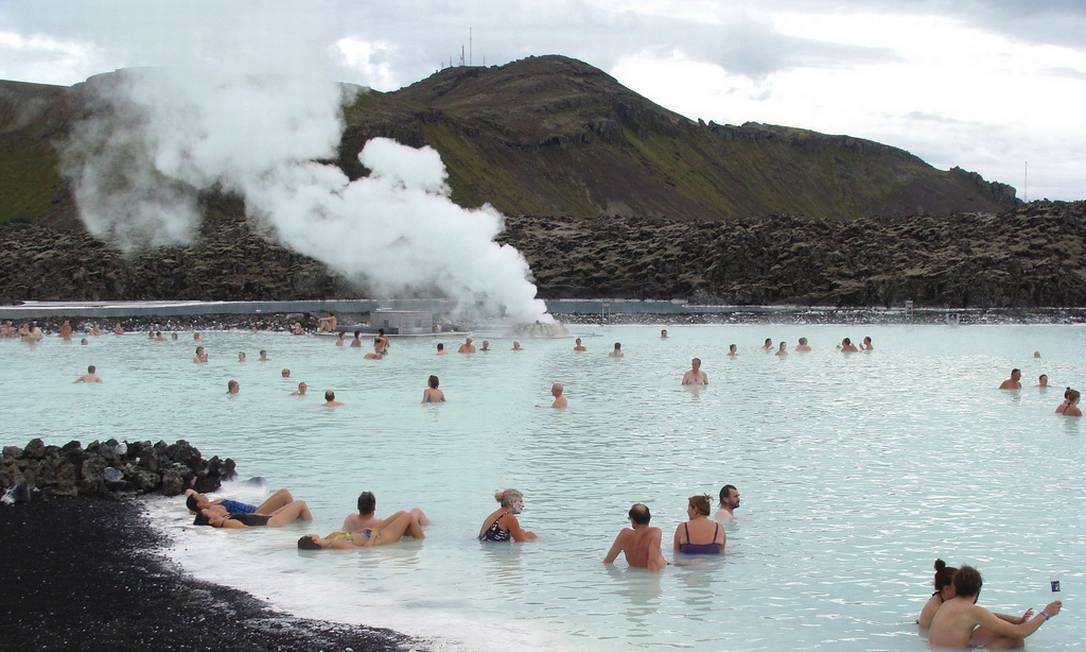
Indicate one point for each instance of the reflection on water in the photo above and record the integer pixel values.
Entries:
(856, 472)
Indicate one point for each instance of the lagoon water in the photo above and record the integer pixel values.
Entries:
(856, 472)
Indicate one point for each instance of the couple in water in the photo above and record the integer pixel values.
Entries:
(953, 618)
(365, 530)
(278, 510)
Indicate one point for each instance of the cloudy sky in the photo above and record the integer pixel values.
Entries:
(984, 84)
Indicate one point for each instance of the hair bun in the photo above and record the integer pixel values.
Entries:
(499, 496)
(939, 564)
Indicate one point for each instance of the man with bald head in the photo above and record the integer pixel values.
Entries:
(639, 542)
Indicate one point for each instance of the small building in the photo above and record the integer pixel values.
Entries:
(402, 322)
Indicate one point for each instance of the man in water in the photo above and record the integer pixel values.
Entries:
(83, 341)
(173, 336)
(301, 391)
(867, 345)
(516, 346)
(663, 333)
(617, 351)
(118, 330)
(201, 355)
(441, 349)
(330, 400)
(578, 347)
(90, 377)
(961, 623)
(732, 351)
(847, 346)
(729, 501)
(1014, 382)
(695, 376)
(356, 343)
(264, 356)
(803, 347)
(233, 388)
(467, 347)
(366, 518)
(1042, 381)
(285, 373)
(241, 356)
(65, 330)
(7, 329)
(197, 502)
(196, 337)
(485, 348)
(639, 542)
(559, 398)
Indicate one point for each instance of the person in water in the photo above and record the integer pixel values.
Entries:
(1014, 382)
(301, 391)
(382, 341)
(729, 502)
(285, 373)
(516, 346)
(356, 343)
(233, 388)
(867, 346)
(699, 535)
(1042, 381)
(367, 517)
(432, 394)
(617, 351)
(197, 502)
(639, 542)
(196, 337)
(65, 330)
(944, 590)
(733, 350)
(84, 342)
(293, 511)
(578, 347)
(485, 348)
(201, 356)
(376, 354)
(441, 349)
(782, 350)
(90, 377)
(392, 530)
(695, 376)
(557, 391)
(502, 525)
(341, 338)
(330, 400)
(846, 346)
(264, 356)
(961, 623)
(241, 356)
(663, 334)
(1036, 354)
(767, 345)
(803, 347)
(1070, 404)
(118, 330)
(467, 347)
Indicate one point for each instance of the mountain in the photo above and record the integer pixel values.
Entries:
(555, 136)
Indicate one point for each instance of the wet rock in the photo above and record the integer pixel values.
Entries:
(34, 450)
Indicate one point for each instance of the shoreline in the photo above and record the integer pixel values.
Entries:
(89, 574)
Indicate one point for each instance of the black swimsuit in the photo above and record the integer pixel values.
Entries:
(252, 520)
(495, 532)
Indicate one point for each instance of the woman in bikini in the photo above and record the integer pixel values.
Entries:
(295, 510)
(502, 525)
(432, 394)
(944, 590)
(391, 530)
(699, 535)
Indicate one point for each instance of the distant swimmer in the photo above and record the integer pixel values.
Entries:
(356, 343)
(1014, 382)
(767, 345)
(1042, 381)
(1070, 407)
(846, 346)
(196, 337)
(376, 354)
(173, 336)
(485, 348)
(285, 373)
(241, 356)
(961, 623)
(617, 351)
(264, 356)
(733, 350)
(159, 337)
(516, 346)
(118, 330)
(695, 376)
(803, 347)
(327, 324)
(1036, 354)
(65, 330)
(639, 542)
(867, 346)
(367, 517)
(341, 338)
(90, 377)
(699, 535)
(83, 341)
(201, 355)
(233, 388)
(301, 391)
(441, 349)
(330, 400)
(782, 350)
(297, 329)
(285, 515)
(944, 590)
(432, 394)
(392, 530)
(502, 525)
(557, 391)
(729, 502)
(382, 341)
(663, 334)
(578, 347)
(1063, 405)
(467, 347)
(7, 329)
(95, 331)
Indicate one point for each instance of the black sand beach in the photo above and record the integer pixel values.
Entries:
(83, 574)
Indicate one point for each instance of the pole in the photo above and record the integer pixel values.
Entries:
(1026, 191)
(469, 47)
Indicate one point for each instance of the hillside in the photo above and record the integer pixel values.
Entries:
(555, 136)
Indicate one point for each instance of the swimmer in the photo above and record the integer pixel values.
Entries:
(196, 337)
(1036, 354)
(803, 347)
(867, 347)
(392, 530)
(560, 402)
(441, 349)
(432, 394)
(1071, 408)
(767, 345)
(296, 329)
(663, 334)
(485, 348)
(356, 343)
(95, 331)
(201, 355)
(83, 341)
(301, 391)
(617, 351)
(173, 336)
(1063, 406)
(695, 376)
(285, 515)
(327, 324)
(698, 535)
(233, 388)
(944, 590)
(241, 356)
(366, 517)
(381, 341)
(782, 350)
(376, 354)
(639, 542)
(1014, 382)
(961, 623)
(330, 400)
(33, 334)
(502, 525)
(467, 346)
(578, 347)
(729, 502)
(7, 329)
(733, 350)
(118, 330)
(846, 346)
(197, 502)
(285, 373)
(341, 338)
(90, 377)
(158, 337)
(65, 330)
(516, 346)
(264, 356)
(1042, 381)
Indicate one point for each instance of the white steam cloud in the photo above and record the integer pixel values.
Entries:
(154, 138)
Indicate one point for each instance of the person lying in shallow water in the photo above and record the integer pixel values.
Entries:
(285, 515)
(367, 517)
(392, 530)
(197, 502)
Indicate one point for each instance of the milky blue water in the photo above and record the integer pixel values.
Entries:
(856, 472)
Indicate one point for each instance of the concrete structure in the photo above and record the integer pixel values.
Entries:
(402, 322)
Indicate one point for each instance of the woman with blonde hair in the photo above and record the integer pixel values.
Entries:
(699, 535)
(502, 525)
